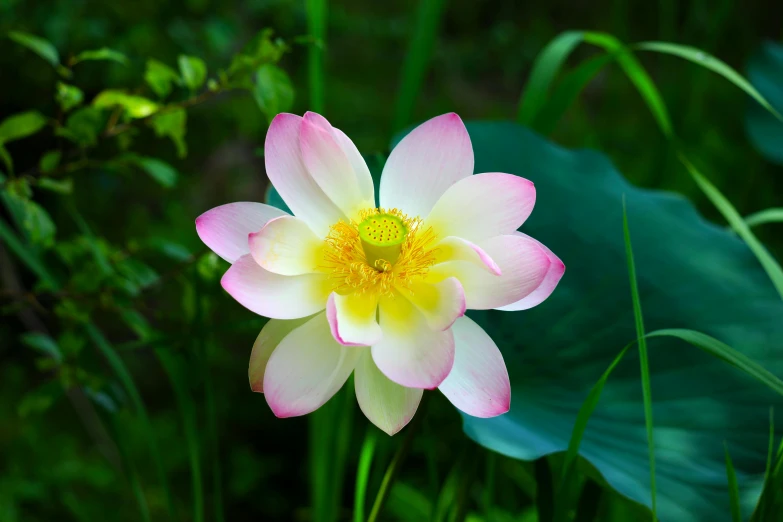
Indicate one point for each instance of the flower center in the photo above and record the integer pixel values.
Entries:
(385, 249)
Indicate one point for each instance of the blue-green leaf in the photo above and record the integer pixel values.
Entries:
(765, 72)
(691, 274)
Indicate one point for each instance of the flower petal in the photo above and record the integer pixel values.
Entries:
(478, 383)
(430, 159)
(307, 368)
(483, 206)
(363, 176)
(330, 167)
(287, 172)
(440, 303)
(224, 229)
(271, 334)
(523, 264)
(384, 402)
(457, 249)
(352, 318)
(274, 295)
(410, 353)
(286, 246)
(547, 286)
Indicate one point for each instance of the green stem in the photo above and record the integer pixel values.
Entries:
(363, 472)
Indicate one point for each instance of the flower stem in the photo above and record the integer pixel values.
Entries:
(397, 460)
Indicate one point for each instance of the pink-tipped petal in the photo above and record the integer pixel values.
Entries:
(274, 295)
(287, 172)
(271, 334)
(330, 167)
(440, 303)
(478, 383)
(410, 352)
(483, 206)
(428, 161)
(352, 318)
(547, 286)
(523, 264)
(457, 249)
(286, 246)
(224, 229)
(384, 402)
(306, 369)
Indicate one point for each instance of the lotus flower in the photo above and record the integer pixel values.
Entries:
(380, 290)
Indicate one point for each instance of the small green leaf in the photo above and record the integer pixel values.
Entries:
(21, 125)
(6, 157)
(273, 91)
(40, 400)
(172, 124)
(137, 322)
(734, 494)
(209, 266)
(35, 222)
(193, 71)
(38, 45)
(49, 161)
(68, 96)
(61, 186)
(158, 170)
(160, 77)
(42, 343)
(134, 106)
(83, 126)
(137, 272)
(104, 53)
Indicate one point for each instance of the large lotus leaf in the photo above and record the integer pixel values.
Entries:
(765, 72)
(691, 274)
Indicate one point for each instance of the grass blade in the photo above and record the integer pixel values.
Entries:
(734, 496)
(545, 68)
(316, 11)
(725, 352)
(131, 471)
(174, 370)
(567, 91)
(638, 76)
(646, 389)
(708, 61)
(739, 225)
(363, 473)
(770, 215)
(417, 59)
(128, 383)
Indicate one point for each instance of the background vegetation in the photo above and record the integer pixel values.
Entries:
(123, 389)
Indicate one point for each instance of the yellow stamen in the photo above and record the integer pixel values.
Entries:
(354, 267)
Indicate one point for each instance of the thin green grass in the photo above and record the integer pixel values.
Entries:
(708, 61)
(175, 372)
(763, 217)
(366, 454)
(417, 60)
(316, 12)
(130, 471)
(734, 495)
(545, 68)
(645, 368)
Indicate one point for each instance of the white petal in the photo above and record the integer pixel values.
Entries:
(547, 286)
(440, 303)
(287, 246)
(330, 167)
(483, 206)
(478, 383)
(224, 229)
(287, 172)
(271, 334)
(523, 264)
(306, 369)
(384, 402)
(363, 176)
(457, 249)
(273, 295)
(411, 353)
(429, 160)
(352, 319)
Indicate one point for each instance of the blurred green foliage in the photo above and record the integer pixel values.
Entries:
(122, 383)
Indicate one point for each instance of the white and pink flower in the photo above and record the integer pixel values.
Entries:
(380, 289)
